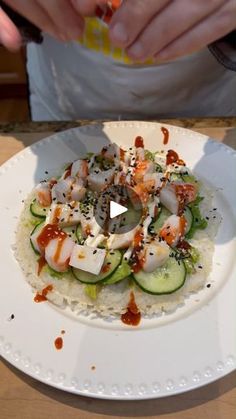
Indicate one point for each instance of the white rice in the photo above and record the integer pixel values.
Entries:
(113, 299)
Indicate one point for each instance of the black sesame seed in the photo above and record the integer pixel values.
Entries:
(151, 254)
(208, 285)
(12, 317)
(200, 266)
(64, 195)
(207, 218)
(46, 172)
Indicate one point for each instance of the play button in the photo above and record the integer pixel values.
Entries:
(116, 209)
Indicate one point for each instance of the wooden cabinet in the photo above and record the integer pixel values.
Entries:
(14, 105)
(13, 77)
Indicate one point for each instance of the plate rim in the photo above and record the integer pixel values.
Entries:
(135, 124)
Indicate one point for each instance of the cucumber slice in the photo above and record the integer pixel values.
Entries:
(36, 228)
(164, 280)
(189, 218)
(122, 272)
(176, 177)
(79, 234)
(37, 210)
(111, 262)
(157, 225)
(71, 231)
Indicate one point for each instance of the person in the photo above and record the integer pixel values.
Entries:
(150, 61)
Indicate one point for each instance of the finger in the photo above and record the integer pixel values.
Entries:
(67, 20)
(9, 34)
(178, 17)
(35, 14)
(131, 18)
(214, 27)
(87, 7)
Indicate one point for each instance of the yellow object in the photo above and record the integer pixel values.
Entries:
(96, 37)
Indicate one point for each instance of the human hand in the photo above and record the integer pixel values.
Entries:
(167, 29)
(62, 19)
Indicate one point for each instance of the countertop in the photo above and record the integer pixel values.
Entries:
(22, 397)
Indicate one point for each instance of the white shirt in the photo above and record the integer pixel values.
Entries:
(71, 81)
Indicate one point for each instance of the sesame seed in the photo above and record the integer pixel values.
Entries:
(208, 285)
(94, 252)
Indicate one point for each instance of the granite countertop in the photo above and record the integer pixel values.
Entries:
(30, 127)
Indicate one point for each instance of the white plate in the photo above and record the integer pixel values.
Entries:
(163, 356)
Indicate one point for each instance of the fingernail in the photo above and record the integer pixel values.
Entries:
(136, 51)
(119, 33)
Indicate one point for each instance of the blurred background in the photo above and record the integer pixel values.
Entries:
(14, 105)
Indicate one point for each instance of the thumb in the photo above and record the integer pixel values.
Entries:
(10, 37)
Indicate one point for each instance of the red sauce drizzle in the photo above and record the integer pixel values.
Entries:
(139, 142)
(132, 316)
(166, 134)
(138, 262)
(41, 263)
(58, 342)
(183, 244)
(105, 268)
(122, 154)
(173, 157)
(56, 216)
(50, 232)
(68, 172)
(39, 298)
(52, 182)
(58, 251)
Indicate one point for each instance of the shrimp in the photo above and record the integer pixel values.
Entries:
(43, 194)
(155, 255)
(80, 169)
(173, 229)
(174, 196)
(142, 168)
(58, 253)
